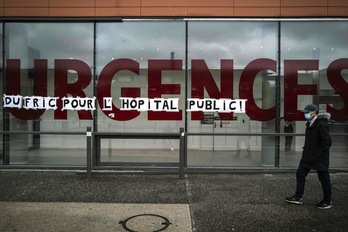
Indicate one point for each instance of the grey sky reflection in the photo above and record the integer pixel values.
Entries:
(140, 41)
(212, 41)
(326, 41)
(52, 40)
(240, 41)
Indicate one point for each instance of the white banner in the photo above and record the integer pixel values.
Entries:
(138, 104)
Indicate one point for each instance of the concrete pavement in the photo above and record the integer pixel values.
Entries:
(69, 201)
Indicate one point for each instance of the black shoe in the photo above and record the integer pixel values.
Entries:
(294, 200)
(324, 205)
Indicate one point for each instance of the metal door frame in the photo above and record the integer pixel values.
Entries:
(98, 136)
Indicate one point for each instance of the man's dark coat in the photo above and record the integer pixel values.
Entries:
(316, 150)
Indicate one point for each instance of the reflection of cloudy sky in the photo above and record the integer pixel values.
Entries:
(52, 40)
(140, 41)
(240, 41)
(212, 41)
(326, 41)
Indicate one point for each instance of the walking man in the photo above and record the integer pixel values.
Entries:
(315, 155)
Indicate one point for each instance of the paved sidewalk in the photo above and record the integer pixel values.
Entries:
(68, 201)
(91, 217)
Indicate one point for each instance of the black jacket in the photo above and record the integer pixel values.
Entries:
(316, 150)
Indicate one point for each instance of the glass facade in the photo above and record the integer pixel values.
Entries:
(318, 51)
(2, 121)
(150, 56)
(41, 60)
(223, 56)
(60, 78)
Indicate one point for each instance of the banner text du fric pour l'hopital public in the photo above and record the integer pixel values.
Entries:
(138, 104)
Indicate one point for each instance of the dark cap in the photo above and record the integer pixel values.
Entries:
(310, 107)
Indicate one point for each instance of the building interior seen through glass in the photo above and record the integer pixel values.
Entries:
(232, 86)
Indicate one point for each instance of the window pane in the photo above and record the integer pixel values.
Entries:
(54, 59)
(144, 60)
(140, 60)
(2, 153)
(314, 61)
(233, 60)
(140, 151)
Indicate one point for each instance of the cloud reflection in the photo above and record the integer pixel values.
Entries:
(212, 41)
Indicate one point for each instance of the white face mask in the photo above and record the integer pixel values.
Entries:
(308, 116)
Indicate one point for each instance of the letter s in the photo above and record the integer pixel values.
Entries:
(340, 86)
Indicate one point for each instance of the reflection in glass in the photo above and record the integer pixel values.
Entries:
(2, 153)
(49, 42)
(216, 47)
(140, 41)
(226, 59)
(139, 48)
(323, 43)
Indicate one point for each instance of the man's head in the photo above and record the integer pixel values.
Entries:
(310, 111)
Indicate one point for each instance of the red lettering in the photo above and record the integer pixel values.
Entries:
(340, 86)
(202, 79)
(14, 86)
(291, 87)
(156, 88)
(63, 88)
(246, 89)
(104, 87)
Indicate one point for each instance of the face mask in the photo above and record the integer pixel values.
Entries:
(308, 116)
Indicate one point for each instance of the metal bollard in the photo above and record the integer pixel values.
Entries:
(89, 157)
(182, 153)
